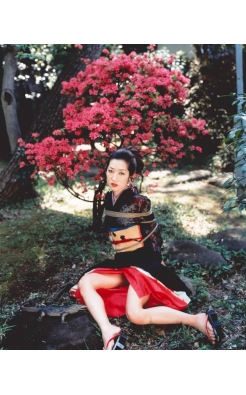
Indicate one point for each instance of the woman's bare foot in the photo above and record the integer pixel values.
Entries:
(204, 326)
(110, 332)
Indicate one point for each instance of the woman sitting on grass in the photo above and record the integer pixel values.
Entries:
(136, 283)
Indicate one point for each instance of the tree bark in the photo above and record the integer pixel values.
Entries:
(15, 182)
(8, 98)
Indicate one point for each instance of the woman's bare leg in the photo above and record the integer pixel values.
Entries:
(88, 285)
(164, 315)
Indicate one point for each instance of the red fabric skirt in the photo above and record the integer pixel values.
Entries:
(143, 284)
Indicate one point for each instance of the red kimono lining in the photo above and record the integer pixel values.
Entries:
(143, 284)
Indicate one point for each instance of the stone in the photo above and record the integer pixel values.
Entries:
(193, 252)
(234, 239)
(159, 174)
(220, 179)
(165, 178)
(190, 284)
(50, 334)
(191, 176)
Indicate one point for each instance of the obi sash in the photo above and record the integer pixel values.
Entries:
(129, 238)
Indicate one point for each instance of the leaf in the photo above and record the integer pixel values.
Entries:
(236, 102)
(227, 140)
(244, 106)
(241, 207)
(228, 183)
(232, 133)
(235, 132)
(230, 204)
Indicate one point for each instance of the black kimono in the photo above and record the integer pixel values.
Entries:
(135, 236)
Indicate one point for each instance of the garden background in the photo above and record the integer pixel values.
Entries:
(127, 22)
(49, 233)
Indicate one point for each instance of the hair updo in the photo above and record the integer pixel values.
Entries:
(131, 156)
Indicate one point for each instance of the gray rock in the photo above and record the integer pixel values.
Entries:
(159, 174)
(191, 176)
(77, 333)
(193, 252)
(220, 179)
(190, 284)
(233, 239)
(28, 333)
(166, 178)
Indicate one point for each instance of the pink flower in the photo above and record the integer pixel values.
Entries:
(118, 99)
(57, 133)
(35, 135)
(22, 164)
(93, 135)
(21, 142)
(79, 46)
(33, 174)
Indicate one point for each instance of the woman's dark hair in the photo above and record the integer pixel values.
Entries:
(130, 155)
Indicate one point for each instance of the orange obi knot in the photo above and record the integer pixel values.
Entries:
(128, 239)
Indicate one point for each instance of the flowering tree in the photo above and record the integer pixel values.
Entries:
(119, 100)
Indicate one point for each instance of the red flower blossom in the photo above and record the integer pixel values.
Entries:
(152, 47)
(118, 100)
(21, 142)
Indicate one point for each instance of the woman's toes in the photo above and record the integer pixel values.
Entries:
(109, 338)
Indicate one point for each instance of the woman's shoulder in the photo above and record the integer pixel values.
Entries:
(139, 195)
(142, 200)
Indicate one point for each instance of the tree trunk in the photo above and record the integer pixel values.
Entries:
(8, 98)
(15, 183)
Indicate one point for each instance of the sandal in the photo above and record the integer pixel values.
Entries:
(216, 325)
(119, 343)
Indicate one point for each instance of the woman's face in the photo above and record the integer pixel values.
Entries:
(117, 175)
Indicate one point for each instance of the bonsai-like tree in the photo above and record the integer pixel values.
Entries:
(119, 100)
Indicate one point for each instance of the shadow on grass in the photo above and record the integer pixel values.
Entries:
(37, 244)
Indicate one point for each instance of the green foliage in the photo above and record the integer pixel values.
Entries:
(6, 313)
(236, 139)
(221, 271)
(4, 328)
